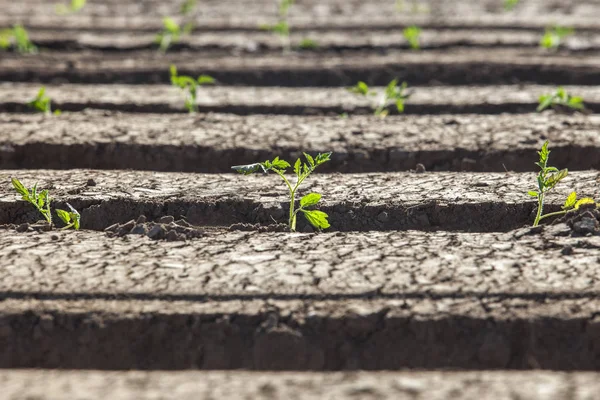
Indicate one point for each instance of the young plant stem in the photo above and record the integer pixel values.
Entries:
(538, 216)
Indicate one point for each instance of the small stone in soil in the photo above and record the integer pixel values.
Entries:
(420, 168)
(157, 232)
(139, 229)
(54, 237)
(567, 250)
(90, 182)
(167, 219)
(22, 227)
(141, 219)
(112, 228)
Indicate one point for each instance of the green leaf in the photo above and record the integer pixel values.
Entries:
(298, 167)
(42, 198)
(390, 90)
(400, 106)
(585, 200)
(249, 168)
(316, 218)
(309, 158)
(360, 88)
(533, 193)
(77, 5)
(308, 44)
(570, 202)
(553, 179)
(279, 164)
(322, 158)
(310, 200)
(64, 216)
(170, 25)
(75, 216)
(19, 187)
(206, 80)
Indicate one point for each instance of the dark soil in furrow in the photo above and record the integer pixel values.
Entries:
(466, 66)
(448, 201)
(215, 142)
(246, 300)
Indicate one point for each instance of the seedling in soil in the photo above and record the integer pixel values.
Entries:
(392, 95)
(554, 35)
(188, 7)
(560, 100)
(189, 86)
(42, 103)
(74, 7)
(282, 28)
(171, 33)
(71, 218)
(308, 44)
(316, 218)
(547, 179)
(411, 34)
(17, 38)
(509, 5)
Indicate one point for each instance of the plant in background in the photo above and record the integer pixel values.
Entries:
(547, 179)
(308, 44)
(188, 7)
(282, 27)
(392, 95)
(553, 36)
(42, 103)
(74, 7)
(415, 6)
(411, 34)
(509, 5)
(189, 86)
(559, 100)
(171, 33)
(41, 201)
(316, 218)
(17, 38)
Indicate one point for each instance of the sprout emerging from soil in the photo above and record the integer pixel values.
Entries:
(41, 201)
(171, 33)
(18, 39)
(560, 100)
(547, 179)
(411, 34)
(42, 103)
(553, 36)
(316, 218)
(509, 5)
(72, 8)
(282, 27)
(392, 95)
(189, 86)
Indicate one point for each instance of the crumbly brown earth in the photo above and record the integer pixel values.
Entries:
(297, 301)
(290, 101)
(449, 201)
(88, 385)
(215, 142)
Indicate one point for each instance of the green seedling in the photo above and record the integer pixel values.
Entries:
(510, 5)
(189, 86)
(308, 44)
(392, 95)
(71, 219)
(282, 27)
(17, 38)
(411, 34)
(42, 103)
(171, 33)
(41, 201)
(316, 218)
(188, 7)
(559, 100)
(72, 8)
(547, 179)
(553, 36)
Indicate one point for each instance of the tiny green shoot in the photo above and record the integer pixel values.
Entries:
(547, 179)
(71, 219)
(510, 5)
(17, 38)
(42, 103)
(411, 34)
(560, 100)
(553, 36)
(392, 95)
(41, 201)
(171, 33)
(308, 44)
(188, 7)
(316, 218)
(72, 8)
(282, 27)
(189, 86)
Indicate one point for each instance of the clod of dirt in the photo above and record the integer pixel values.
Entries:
(259, 227)
(165, 228)
(420, 168)
(583, 222)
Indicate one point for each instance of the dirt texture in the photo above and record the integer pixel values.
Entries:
(215, 142)
(428, 201)
(298, 301)
(290, 101)
(57, 385)
(460, 67)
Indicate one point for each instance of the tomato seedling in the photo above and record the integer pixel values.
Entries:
(412, 34)
(560, 99)
(171, 33)
(316, 218)
(75, 6)
(392, 95)
(189, 86)
(42, 103)
(18, 39)
(547, 179)
(553, 36)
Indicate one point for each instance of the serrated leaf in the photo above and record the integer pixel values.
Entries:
(248, 169)
(64, 216)
(298, 167)
(317, 218)
(553, 179)
(585, 200)
(41, 200)
(309, 158)
(310, 200)
(280, 164)
(19, 187)
(323, 158)
(532, 193)
(570, 201)
(206, 80)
